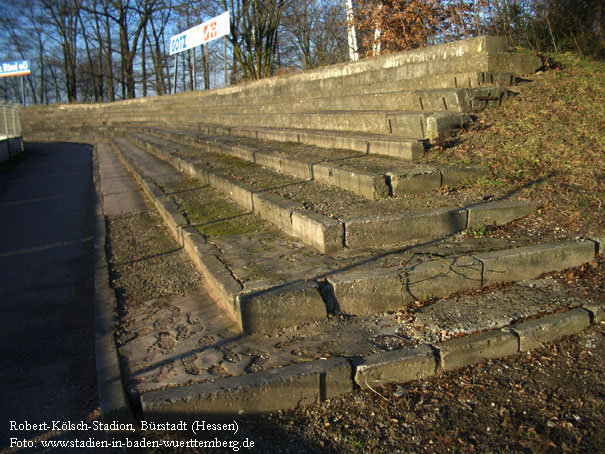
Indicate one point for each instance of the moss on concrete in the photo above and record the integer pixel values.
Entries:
(209, 212)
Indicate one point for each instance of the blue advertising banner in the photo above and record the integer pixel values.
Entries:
(14, 68)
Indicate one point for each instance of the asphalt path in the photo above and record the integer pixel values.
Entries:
(47, 365)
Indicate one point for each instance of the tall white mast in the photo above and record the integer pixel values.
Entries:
(352, 35)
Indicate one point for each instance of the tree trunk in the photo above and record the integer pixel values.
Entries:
(109, 63)
(144, 62)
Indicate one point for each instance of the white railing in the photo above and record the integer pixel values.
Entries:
(11, 141)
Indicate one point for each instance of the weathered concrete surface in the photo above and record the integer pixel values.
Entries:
(241, 194)
(414, 181)
(535, 333)
(408, 150)
(290, 387)
(366, 291)
(275, 199)
(113, 399)
(597, 312)
(455, 175)
(499, 212)
(437, 99)
(282, 306)
(442, 277)
(465, 351)
(369, 176)
(276, 209)
(427, 280)
(461, 65)
(369, 185)
(424, 124)
(531, 261)
(120, 193)
(209, 354)
(175, 328)
(373, 231)
(398, 366)
(318, 231)
(455, 316)
(282, 163)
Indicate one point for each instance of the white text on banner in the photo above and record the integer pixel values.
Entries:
(201, 34)
(15, 68)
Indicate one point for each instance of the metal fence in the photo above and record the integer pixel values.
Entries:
(11, 136)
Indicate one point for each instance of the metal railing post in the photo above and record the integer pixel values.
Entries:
(14, 109)
(5, 115)
(5, 119)
(20, 128)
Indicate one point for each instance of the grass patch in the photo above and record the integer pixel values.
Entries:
(547, 143)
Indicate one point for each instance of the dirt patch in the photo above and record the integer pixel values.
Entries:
(550, 400)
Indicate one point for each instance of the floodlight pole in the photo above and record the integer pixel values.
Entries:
(352, 34)
(176, 59)
(194, 78)
(225, 59)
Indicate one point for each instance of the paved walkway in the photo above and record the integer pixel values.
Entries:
(121, 195)
(47, 362)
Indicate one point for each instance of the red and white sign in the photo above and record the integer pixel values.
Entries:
(210, 30)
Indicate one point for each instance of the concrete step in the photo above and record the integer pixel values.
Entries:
(445, 99)
(366, 352)
(149, 109)
(421, 125)
(414, 94)
(451, 59)
(413, 125)
(373, 144)
(365, 175)
(329, 219)
(268, 281)
(128, 110)
(425, 125)
(455, 72)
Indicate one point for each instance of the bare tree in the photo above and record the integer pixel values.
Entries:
(316, 30)
(158, 23)
(254, 27)
(63, 14)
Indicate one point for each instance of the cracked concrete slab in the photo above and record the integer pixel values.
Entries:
(177, 342)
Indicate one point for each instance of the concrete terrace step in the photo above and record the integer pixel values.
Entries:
(436, 99)
(466, 64)
(372, 144)
(414, 126)
(332, 220)
(267, 281)
(456, 72)
(338, 362)
(151, 109)
(407, 125)
(226, 96)
(144, 108)
(362, 174)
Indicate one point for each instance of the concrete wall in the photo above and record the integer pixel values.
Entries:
(9, 148)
